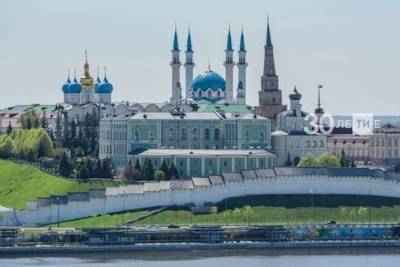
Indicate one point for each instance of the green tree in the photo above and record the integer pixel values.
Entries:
(83, 172)
(9, 128)
(128, 172)
(30, 120)
(173, 172)
(247, 212)
(7, 147)
(165, 169)
(308, 160)
(328, 160)
(343, 159)
(107, 168)
(46, 148)
(137, 166)
(159, 175)
(65, 167)
(148, 169)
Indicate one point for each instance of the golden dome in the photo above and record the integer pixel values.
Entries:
(86, 80)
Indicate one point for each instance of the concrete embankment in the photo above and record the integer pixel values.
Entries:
(288, 246)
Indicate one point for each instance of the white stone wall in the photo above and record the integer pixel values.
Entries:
(314, 184)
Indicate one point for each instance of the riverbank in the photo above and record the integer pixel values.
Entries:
(306, 247)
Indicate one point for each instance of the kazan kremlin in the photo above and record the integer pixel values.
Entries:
(221, 147)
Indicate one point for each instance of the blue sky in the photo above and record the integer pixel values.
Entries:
(351, 47)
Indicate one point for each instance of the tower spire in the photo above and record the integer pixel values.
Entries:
(176, 44)
(86, 56)
(242, 46)
(229, 40)
(68, 79)
(269, 40)
(189, 43)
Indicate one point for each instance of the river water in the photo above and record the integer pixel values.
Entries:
(194, 259)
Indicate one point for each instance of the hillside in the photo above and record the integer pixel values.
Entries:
(20, 183)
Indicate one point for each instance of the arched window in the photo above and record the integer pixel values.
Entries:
(195, 133)
(216, 134)
(209, 93)
(321, 144)
(136, 136)
(315, 144)
(219, 93)
(200, 93)
(151, 136)
(207, 134)
(183, 134)
(308, 144)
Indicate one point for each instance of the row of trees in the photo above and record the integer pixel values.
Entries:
(80, 138)
(324, 160)
(86, 168)
(26, 144)
(147, 171)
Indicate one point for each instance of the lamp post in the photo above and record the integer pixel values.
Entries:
(58, 211)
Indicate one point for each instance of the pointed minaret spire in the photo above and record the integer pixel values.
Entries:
(242, 65)
(176, 44)
(68, 79)
(175, 65)
(75, 75)
(229, 40)
(189, 43)
(242, 46)
(98, 75)
(269, 40)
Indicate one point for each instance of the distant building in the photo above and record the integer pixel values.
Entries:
(291, 141)
(202, 163)
(131, 134)
(385, 146)
(355, 147)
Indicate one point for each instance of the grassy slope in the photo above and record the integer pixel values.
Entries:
(20, 183)
(261, 215)
(109, 220)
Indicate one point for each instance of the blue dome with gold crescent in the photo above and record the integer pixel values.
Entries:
(208, 80)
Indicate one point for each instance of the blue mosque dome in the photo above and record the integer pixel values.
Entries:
(208, 80)
(74, 88)
(104, 87)
(208, 86)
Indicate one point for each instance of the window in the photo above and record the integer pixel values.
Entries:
(225, 163)
(219, 93)
(262, 136)
(151, 136)
(308, 144)
(207, 134)
(216, 134)
(315, 144)
(209, 93)
(136, 136)
(195, 133)
(321, 143)
(183, 134)
(247, 136)
(171, 134)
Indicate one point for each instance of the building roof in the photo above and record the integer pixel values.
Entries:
(230, 108)
(204, 152)
(201, 181)
(170, 116)
(216, 180)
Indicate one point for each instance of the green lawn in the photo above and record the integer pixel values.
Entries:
(258, 215)
(109, 220)
(281, 215)
(20, 183)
